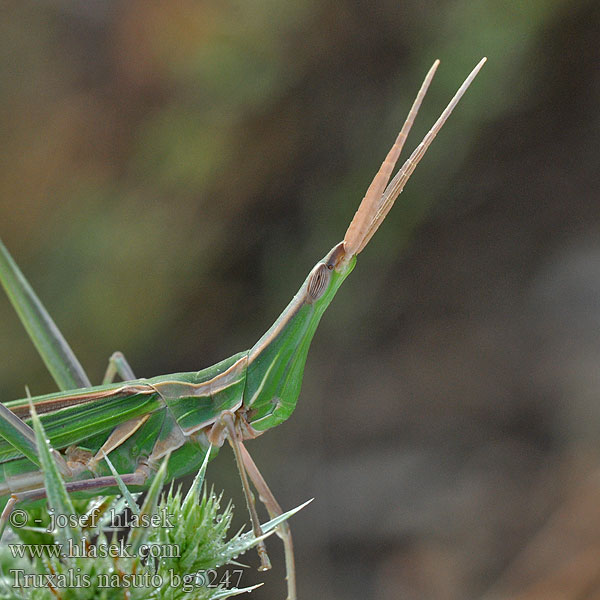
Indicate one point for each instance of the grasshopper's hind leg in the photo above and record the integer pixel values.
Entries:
(283, 529)
(138, 477)
(118, 365)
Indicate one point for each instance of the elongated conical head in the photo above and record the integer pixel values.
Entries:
(380, 196)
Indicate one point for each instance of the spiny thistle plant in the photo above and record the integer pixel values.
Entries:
(176, 543)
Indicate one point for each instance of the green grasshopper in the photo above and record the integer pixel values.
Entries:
(185, 415)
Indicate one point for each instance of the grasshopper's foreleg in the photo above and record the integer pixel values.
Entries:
(227, 423)
(118, 365)
(283, 530)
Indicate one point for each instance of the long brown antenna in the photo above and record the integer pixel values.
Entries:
(362, 218)
(376, 209)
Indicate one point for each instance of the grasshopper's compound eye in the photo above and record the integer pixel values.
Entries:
(319, 280)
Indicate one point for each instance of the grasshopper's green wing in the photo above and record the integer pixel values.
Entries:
(56, 353)
(79, 417)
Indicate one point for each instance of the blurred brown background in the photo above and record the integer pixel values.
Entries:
(170, 172)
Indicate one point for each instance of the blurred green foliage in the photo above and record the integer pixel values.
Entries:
(171, 170)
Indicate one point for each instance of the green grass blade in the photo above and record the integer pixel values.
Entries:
(195, 491)
(234, 592)
(14, 431)
(243, 542)
(58, 498)
(270, 525)
(139, 535)
(56, 353)
(135, 509)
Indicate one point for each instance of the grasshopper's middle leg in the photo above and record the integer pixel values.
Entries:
(283, 529)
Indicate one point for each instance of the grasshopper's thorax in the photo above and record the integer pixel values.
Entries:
(195, 400)
(256, 389)
(276, 361)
